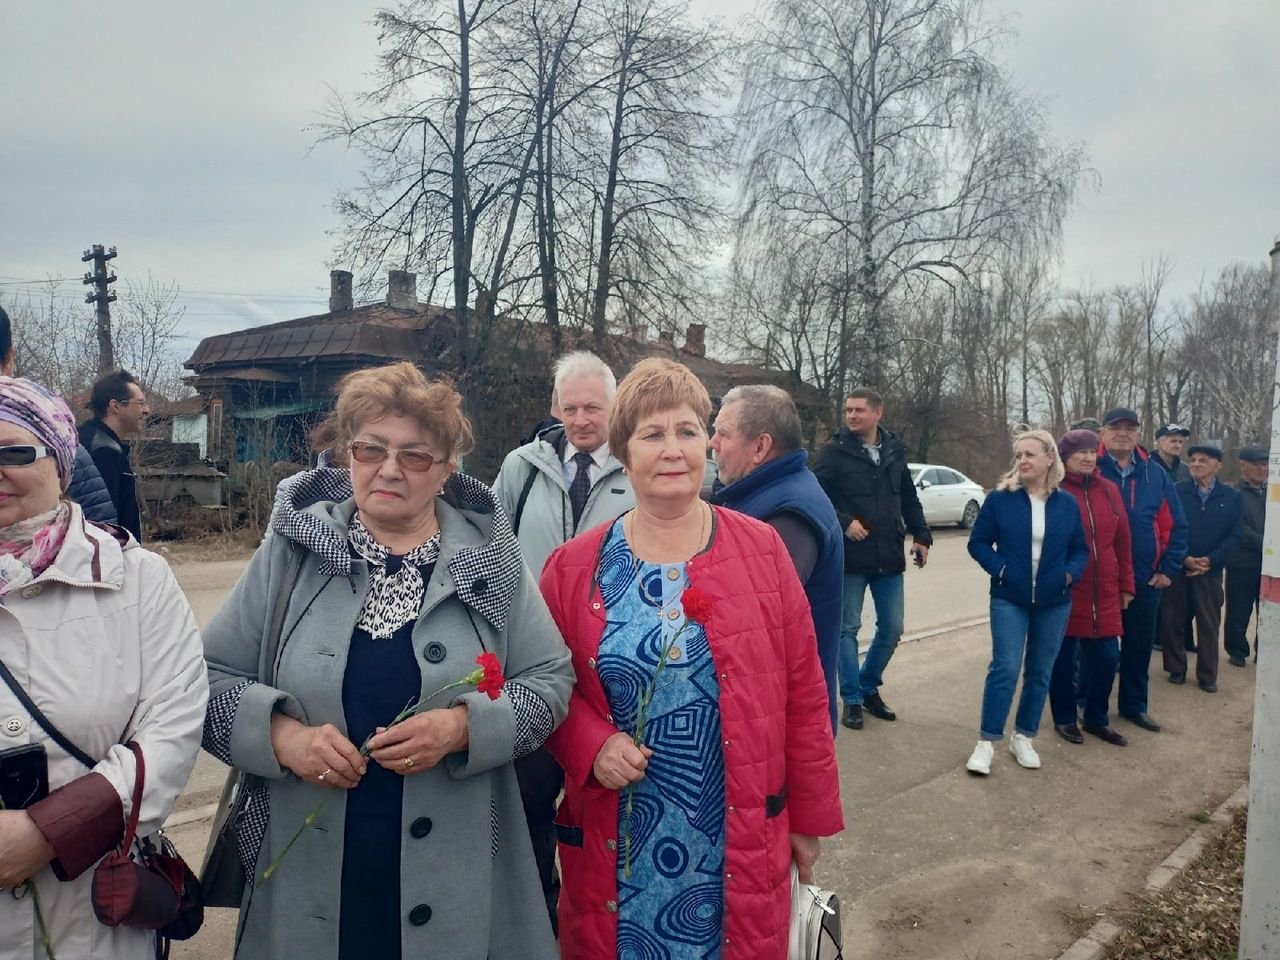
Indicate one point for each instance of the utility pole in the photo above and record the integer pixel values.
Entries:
(1260, 917)
(103, 299)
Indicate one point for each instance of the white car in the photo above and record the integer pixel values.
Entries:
(947, 495)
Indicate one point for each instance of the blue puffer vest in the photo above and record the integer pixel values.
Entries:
(787, 484)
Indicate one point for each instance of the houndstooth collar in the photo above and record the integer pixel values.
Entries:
(484, 575)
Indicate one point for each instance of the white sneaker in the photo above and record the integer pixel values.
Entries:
(980, 759)
(1024, 752)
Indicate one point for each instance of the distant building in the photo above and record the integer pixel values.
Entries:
(262, 389)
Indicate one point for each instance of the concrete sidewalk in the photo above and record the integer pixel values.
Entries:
(937, 863)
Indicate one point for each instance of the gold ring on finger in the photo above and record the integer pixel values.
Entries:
(408, 762)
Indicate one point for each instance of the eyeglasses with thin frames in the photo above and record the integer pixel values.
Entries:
(414, 461)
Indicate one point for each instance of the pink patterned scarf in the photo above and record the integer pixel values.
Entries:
(28, 547)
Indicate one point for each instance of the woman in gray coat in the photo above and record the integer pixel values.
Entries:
(408, 572)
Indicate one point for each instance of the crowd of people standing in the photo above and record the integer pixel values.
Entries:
(615, 663)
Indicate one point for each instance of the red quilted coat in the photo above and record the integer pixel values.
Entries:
(780, 766)
(1095, 600)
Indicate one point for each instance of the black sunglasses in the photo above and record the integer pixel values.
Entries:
(22, 454)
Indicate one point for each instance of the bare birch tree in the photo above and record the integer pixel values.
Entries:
(887, 121)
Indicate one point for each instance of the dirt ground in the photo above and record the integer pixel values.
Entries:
(936, 864)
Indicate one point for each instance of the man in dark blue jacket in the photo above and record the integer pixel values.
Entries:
(1244, 568)
(1159, 532)
(757, 447)
(864, 472)
(1215, 513)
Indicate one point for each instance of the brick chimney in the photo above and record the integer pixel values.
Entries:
(402, 290)
(695, 340)
(340, 291)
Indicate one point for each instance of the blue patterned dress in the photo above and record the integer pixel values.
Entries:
(672, 905)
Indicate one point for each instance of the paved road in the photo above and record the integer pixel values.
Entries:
(935, 863)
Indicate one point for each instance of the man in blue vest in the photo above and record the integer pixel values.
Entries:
(758, 450)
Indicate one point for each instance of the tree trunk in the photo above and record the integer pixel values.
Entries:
(461, 246)
(601, 298)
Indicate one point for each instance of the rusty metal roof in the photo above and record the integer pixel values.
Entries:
(374, 331)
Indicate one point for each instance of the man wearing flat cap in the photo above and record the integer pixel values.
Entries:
(1158, 531)
(1244, 567)
(1170, 439)
(1214, 514)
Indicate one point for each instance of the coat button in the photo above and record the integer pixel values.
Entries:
(595, 606)
(480, 586)
(419, 915)
(434, 652)
(31, 591)
(611, 906)
(420, 827)
(673, 574)
(731, 809)
(609, 717)
(591, 663)
(14, 726)
(611, 844)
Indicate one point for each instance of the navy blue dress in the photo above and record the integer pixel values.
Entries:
(382, 678)
(671, 906)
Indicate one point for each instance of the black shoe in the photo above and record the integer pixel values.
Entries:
(1209, 687)
(1069, 732)
(852, 717)
(1189, 647)
(874, 705)
(1178, 678)
(1107, 735)
(1143, 720)
(1237, 662)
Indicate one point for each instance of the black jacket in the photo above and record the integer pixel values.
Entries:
(882, 497)
(1248, 555)
(1213, 525)
(111, 456)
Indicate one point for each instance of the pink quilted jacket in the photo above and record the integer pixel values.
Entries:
(780, 769)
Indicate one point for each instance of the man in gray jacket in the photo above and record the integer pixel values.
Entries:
(563, 482)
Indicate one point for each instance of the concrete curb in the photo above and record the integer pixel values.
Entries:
(1102, 935)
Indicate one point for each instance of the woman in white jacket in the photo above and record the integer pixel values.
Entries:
(96, 633)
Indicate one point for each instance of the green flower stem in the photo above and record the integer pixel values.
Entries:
(472, 678)
(642, 716)
(45, 940)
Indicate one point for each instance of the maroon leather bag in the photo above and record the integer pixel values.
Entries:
(149, 889)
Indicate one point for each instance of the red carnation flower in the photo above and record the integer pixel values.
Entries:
(492, 681)
(697, 605)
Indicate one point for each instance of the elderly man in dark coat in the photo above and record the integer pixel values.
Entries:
(1214, 514)
(757, 446)
(1244, 567)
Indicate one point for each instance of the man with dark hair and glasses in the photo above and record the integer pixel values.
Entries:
(119, 409)
(87, 488)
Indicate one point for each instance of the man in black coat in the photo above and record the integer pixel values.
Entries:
(1213, 512)
(864, 472)
(119, 409)
(1244, 567)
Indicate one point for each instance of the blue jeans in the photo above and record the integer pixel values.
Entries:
(1139, 620)
(1035, 632)
(886, 594)
(1096, 673)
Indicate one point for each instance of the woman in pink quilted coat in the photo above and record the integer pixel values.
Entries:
(698, 756)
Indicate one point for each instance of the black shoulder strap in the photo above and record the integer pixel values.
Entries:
(45, 723)
(283, 594)
(524, 497)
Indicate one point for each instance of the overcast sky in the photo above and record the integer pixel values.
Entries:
(180, 134)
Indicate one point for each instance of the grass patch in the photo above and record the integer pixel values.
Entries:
(1197, 917)
(1200, 817)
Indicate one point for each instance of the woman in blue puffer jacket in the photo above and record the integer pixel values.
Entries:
(1029, 538)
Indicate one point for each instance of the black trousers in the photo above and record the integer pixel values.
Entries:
(540, 779)
(1242, 599)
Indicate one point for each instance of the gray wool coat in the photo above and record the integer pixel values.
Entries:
(474, 869)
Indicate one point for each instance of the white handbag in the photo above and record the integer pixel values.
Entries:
(815, 922)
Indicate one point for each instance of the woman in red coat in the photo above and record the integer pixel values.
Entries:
(1086, 664)
(697, 751)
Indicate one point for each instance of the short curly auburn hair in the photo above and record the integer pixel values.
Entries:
(654, 385)
(400, 389)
